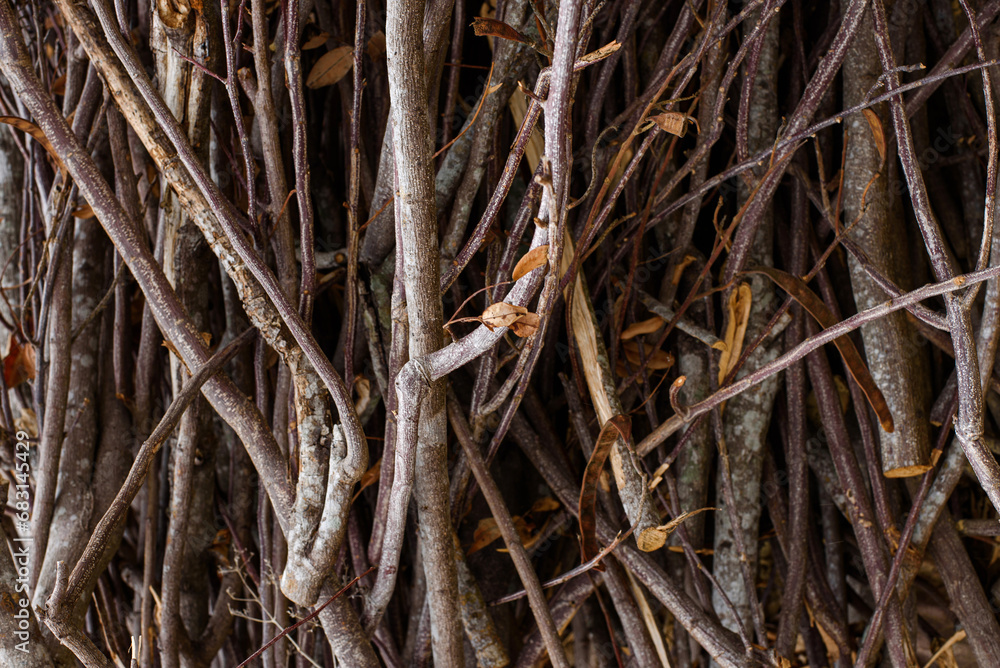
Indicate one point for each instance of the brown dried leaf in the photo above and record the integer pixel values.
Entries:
(617, 426)
(673, 122)
(36, 132)
(59, 86)
(643, 327)
(487, 531)
(18, 362)
(369, 478)
(363, 388)
(801, 293)
(501, 314)
(736, 329)
(331, 67)
(877, 132)
(656, 360)
(376, 45)
(526, 325)
(494, 28)
(546, 504)
(654, 538)
(84, 212)
(315, 42)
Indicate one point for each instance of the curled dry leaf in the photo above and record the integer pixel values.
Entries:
(643, 327)
(18, 362)
(363, 388)
(533, 259)
(84, 212)
(736, 329)
(673, 122)
(315, 42)
(526, 325)
(656, 360)
(617, 426)
(653, 539)
(877, 132)
(368, 478)
(546, 504)
(494, 28)
(36, 133)
(331, 67)
(801, 293)
(501, 314)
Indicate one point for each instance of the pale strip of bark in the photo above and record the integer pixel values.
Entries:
(629, 474)
(417, 230)
(896, 370)
(746, 419)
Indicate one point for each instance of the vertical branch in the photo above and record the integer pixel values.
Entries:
(417, 222)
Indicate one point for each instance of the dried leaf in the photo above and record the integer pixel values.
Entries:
(494, 28)
(546, 504)
(36, 132)
(207, 338)
(654, 538)
(679, 269)
(331, 67)
(501, 314)
(59, 86)
(526, 325)
(601, 53)
(617, 426)
(801, 293)
(876, 126)
(84, 212)
(18, 362)
(673, 122)
(736, 329)
(364, 389)
(656, 360)
(487, 531)
(643, 327)
(369, 478)
(316, 42)
(376, 45)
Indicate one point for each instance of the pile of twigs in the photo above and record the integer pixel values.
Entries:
(445, 333)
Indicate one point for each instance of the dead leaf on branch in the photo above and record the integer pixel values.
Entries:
(736, 329)
(533, 259)
(673, 122)
(493, 28)
(801, 293)
(18, 362)
(315, 42)
(501, 314)
(877, 132)
(526, 325)
(643, 327)
(655, 360)
(331, 67)
(654, 539)
(619, 426)
(36, 133)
